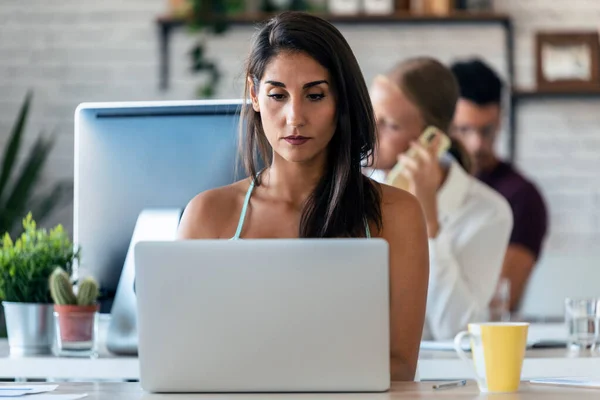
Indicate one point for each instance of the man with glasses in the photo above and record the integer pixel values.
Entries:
(476, 125)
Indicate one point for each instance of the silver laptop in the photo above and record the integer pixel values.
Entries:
(283, 315)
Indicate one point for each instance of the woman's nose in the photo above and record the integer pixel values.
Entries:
(295, 113)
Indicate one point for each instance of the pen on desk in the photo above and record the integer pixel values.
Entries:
(449, 385)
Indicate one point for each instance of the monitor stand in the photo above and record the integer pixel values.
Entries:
(152, 224)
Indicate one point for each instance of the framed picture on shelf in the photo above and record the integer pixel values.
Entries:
(567, 60)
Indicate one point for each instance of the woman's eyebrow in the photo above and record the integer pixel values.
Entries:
(315, 83)
(306, 85)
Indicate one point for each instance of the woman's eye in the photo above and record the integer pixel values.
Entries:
(276, 96)
(388, 125)
(316, 97)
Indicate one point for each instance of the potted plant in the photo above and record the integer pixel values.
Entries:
(75, 313)
(25, 266)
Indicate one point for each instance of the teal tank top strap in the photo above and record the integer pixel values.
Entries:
(240, 226)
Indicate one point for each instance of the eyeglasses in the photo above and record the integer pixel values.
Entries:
(486, 131)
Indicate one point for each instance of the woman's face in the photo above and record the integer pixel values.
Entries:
(399, 122)
(297, 107)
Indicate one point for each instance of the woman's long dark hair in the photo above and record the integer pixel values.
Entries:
(344, 199)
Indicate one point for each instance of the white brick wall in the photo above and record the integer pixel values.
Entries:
(70, 51)
(558, 139)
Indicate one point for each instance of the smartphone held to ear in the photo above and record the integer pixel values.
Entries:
(395, 177)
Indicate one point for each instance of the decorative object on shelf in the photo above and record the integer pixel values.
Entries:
(25, 267)
(474, 5)
(379, 7)
(417, 6)
(402, 6)
(17, 187)
(567, 60)
(460, 5)
(75, 315)
(344, 7)
(440, 7)
(432, 7)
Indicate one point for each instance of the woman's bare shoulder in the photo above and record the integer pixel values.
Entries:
(210, 213)
(400, 211)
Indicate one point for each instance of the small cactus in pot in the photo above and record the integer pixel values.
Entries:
(75, 313)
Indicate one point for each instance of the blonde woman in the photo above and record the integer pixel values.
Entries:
(468, 224)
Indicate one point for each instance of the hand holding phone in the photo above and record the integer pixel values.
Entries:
(395, 177)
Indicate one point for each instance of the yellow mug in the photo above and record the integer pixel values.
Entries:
(498, 349)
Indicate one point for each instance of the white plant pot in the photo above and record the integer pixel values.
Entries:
(29, 327)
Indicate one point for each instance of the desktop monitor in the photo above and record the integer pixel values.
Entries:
(143, 155)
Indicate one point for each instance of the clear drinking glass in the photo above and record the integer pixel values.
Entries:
(582, 317)
(500, 304)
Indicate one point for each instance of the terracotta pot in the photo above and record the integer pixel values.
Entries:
(76, 323)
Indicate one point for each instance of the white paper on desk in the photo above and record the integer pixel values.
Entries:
(55, 396)
(44, 396)
(443, 345)
(21, 390)
(576, 382)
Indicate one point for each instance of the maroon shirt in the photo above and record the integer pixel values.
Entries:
(528, 207)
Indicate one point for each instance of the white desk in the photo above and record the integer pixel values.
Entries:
(433, 365)
(412, 390)
(537, 364)
(105, 367)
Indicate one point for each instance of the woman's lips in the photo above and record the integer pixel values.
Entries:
(296, 140)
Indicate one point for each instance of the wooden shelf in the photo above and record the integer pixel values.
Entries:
(592, 91)
(398, 17)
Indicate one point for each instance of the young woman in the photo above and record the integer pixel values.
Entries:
(312, 123)
(468, 224)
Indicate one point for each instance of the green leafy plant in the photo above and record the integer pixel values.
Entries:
(27, 263)
(17, 187)
(61, 289)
